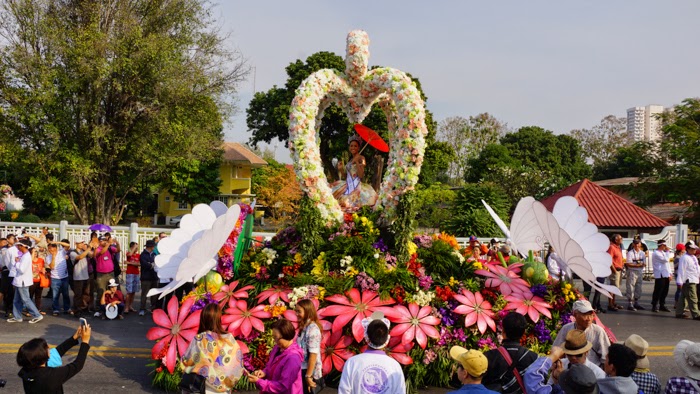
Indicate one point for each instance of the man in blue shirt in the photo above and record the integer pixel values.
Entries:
(472, 365)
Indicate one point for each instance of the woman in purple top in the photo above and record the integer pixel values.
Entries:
(282, 374)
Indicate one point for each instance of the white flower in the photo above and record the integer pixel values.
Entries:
(376, 255)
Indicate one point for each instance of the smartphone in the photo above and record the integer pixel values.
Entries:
(83, 322)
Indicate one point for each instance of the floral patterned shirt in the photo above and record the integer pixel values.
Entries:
(309, 341)
(216, 357)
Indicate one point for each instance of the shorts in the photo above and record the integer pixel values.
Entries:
(615, 278)
(133, 283)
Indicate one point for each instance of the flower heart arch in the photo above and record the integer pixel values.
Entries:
(355, 91)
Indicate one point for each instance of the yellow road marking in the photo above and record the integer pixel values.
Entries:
(93, 354)
(100, 351)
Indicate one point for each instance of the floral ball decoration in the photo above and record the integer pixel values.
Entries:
(355, 91)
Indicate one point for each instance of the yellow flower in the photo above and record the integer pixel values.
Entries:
(321, 293)
(412, 248)
(453, 282)
(352, 272)
(298, 259)
(477, 265)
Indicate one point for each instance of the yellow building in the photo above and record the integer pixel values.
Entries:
(236, 173)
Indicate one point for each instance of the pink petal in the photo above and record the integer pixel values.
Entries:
(172, 310)
(192, 320)
(257, 324)
(402, 358)
(431, 320)
(185, 310)
(470, 319)
(158, 347)
(357, 330)
(161, 319)
(399, 329)
(188, 334)
(425, 311)
(156, 333)
(481, 324)
(430, 331)
(421, 338)
(342, 320)
(408, 335)
(182, 345)
(463, 309)
(171, 357)
(243, 346)
(246, 327)
(413, 309)
(339, 299)
(336, 310)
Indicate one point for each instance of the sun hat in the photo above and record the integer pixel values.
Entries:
(687, 355)
(583, 306)
(576, 343)
(473, 361)
(578, 379)
(111, 311)
(640, 347)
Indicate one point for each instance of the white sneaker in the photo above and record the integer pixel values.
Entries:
(36, 320)
(14, 321)
(97, 314)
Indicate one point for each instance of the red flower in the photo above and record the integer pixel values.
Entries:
(444, 293)
(176, 330)
(415, 267)
(241, 320)
(476, 309)
(353, 306)
(334, 351)
(413, 322)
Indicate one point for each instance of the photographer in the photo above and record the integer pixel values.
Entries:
(636, 259)
(34, 354)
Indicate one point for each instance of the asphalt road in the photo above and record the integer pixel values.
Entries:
(120, 352)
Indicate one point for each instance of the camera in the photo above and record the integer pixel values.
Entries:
(3, 382)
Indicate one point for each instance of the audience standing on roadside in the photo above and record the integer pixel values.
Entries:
(282, 374)
(21, 282)
(81, 278)
(646, 381)
(38, 272)
(309, 339)
(688, 277)
(133, 280)
(33, 356)
(56, 261)
(662, 274)
(583, 315)
(687, 355)
(636, 260)
(509, 358)
(616, 268)
(104, 267)
(149, 277)
(11, 254)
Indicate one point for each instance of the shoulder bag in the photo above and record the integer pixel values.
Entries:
(509, 361)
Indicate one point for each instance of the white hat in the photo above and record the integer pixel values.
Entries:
(111, 311)
(583, 306)
(687, 355)
(113, 283)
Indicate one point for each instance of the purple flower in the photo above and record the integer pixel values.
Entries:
(566, 318)
(381, 246)
(423, 241)
(539, 290)
(202, 302)
(460, 335)
(541, 332)
(425, 282)
(447, 318)
(486, 343)
(430, 356)
(365, 282)
(247, 361)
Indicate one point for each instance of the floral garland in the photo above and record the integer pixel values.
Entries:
(355, 91)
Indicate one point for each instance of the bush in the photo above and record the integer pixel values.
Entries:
(29, 218)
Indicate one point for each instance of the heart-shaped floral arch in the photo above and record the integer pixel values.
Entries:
(355, 91)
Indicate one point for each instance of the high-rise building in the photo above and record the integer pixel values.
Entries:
(644, 124)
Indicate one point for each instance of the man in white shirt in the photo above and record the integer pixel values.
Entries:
(688, 276)
(10, 257)
(56, 261)
(636, 259)
(583, 315)
(22, 280)
(662, 277)
(373, 371)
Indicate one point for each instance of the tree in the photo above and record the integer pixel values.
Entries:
(434, 205)
(102, 97)
(268, 118)
(469, 215)
(277, 189)
(195, 182)
(468, 137)
(640, 159)
(601, 143)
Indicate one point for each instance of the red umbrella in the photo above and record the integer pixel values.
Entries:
(372, 138)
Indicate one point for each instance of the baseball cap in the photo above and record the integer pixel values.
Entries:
(680, 247)
(583, 306)
(472, 238)
(473, 361)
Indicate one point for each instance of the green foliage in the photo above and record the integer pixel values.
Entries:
(434, 205)
(469, 215)
(397, 277)
(403, 227)
(641, 159)
(311, 227)
(443, 261)
(29, 218)
(102, 97)
(164, 380)
(195, 182)
(438, 156)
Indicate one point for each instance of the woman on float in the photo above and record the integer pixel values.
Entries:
(351, 192)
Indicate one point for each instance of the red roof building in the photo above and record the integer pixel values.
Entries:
(609, 211)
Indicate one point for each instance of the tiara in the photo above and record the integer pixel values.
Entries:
(354, 137)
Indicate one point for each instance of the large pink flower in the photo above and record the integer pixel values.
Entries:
(241, 320)
(353, 306)
(476, 309)
(528, 304)
(273, 294)
(505, 278)
(334, 351)
(413, 322)
(229, 292)
(176, 330)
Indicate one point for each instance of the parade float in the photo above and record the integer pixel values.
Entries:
(354, 260)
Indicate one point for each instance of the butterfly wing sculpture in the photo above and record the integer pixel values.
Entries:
(191, 249)
(525, 233)
(576, 241)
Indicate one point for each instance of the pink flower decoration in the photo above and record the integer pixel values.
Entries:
(334, 351)
(241, 320)
(175, 330)
(476, 309)
(528, 305)
(353, 306)
(412, 322)
(229, 292)
(505, 278)
(273, 294)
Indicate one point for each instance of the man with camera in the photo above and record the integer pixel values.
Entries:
(636, 259)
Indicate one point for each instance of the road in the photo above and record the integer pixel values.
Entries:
(120, 352)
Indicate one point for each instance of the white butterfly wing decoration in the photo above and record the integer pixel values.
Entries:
(192, 251)
(525, 233)
(576, 241)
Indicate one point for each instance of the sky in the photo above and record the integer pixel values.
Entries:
(554, 64)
